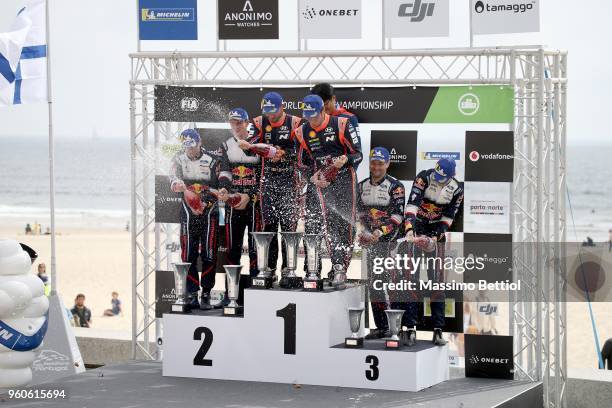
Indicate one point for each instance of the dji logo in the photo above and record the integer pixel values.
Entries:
(417, 11)
(488, 309)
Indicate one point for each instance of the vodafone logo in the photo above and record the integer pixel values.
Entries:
(475, 156)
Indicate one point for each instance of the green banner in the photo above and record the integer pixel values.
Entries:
(475, 104)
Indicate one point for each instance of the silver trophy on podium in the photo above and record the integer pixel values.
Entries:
(354, 341)
(313, 282)
(394, 319)
(264, 278)
(180, 287)
(292, 243)
(232, 275)
(339, 281)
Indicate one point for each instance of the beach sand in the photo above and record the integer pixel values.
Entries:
(97, 262)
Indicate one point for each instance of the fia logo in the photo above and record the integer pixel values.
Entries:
(189, 104)
(417, 11)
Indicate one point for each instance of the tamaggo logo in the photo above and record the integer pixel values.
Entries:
(168, 14)
(441, 155)
(189, 104)
(417, 10)
(481, 7)
(468, 104)
(475, 156)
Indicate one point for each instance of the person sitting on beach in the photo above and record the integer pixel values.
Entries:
(116, 306)
(28, 229)
(81, 313)
(42, 274)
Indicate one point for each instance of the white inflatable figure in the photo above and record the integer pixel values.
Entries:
(23, 315)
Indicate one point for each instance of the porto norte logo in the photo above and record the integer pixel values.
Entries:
(469, 104)
(481, 7)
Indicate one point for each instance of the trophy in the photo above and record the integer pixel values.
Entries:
(394, 319)
(180, 287)
(312, 282)
(339, 281)
(232, 275)
(355, 322)
(292, 241)
(264, 278)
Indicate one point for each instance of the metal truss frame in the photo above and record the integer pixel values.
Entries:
(539, 78)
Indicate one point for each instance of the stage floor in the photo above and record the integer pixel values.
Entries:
(140, 384)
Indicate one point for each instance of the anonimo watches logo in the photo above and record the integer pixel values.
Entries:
(475, 156)
(248, 17)
(481, 7)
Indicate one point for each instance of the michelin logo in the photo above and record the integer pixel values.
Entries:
(441, 155)
(168, 14)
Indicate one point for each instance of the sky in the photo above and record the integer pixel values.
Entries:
(91, 40)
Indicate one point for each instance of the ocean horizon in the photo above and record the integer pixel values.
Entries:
(93, 184)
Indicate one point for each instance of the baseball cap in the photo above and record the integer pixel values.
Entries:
(238, 114)
(272, 102)
(190, 137)
(444, 169)
(313, 105)
(379, 154)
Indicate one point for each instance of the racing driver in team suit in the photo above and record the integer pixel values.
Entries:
(329, 151)
(331, 105)
(193, 171)
(272, 138)
(244, 169)
(433, 203)
(380, 207)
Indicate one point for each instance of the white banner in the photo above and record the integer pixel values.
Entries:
(325, 19)
(416, 18)
(505, 16)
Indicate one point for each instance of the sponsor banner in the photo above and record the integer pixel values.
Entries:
(402, 146)
(487, 207)
(505, 16)
(495, 250)
(165, 295)
(416, 18)
(324, 19)
(489, 156)
(489, 356)
(168, 20)
(371, 105)
(440, 155)
(472, 104)
(248, 19)
(168, 204)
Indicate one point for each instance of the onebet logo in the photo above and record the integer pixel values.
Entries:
(417, 11)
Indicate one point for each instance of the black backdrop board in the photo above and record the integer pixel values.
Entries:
(248, 19)
(402, 145)
(371, 105)
(496, 249)
(489, 356)
(165, 294)
(489, 156)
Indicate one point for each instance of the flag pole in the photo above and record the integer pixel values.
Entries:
(51, 153)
